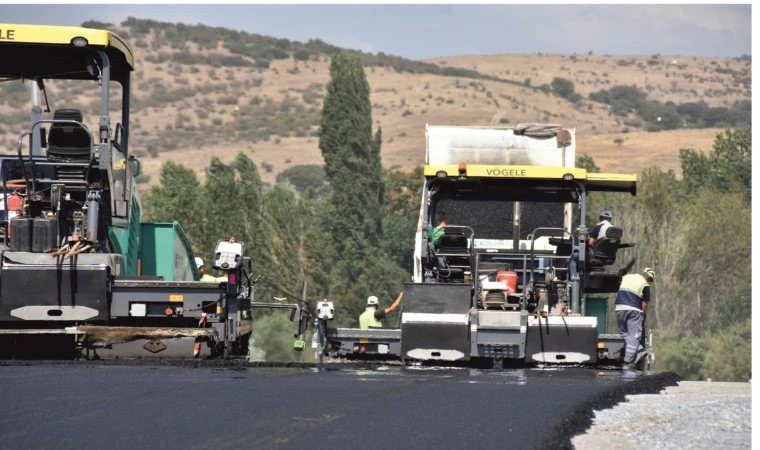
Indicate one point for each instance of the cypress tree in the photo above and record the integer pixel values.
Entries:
(352, 156)
(353, 167)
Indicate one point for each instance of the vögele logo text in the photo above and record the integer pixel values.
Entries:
(507, 172)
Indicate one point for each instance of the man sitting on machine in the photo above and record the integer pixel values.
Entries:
(435, 234)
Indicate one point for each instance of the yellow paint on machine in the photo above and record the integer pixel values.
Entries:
(504, 171)
(176, 298)
(57, 35)
(594, 181)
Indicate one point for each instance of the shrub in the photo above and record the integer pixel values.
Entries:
(143, 178)
(228, 100)
(303, 176)
(566, 89)
(261, 64)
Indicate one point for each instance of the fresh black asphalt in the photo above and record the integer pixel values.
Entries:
(136, 406)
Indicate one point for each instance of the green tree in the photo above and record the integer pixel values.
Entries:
(728, 167)
(272, 339)
(362, 266)
(224, 216)
(352, 156)
(402, 210)
(286, 214)
(565, 88)
(303, 176)
(179, 197)
(584, 161)
(728, 358)
(255, 230)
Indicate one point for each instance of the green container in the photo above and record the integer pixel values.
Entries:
(165, 251)
(125, 238)
(597, 307)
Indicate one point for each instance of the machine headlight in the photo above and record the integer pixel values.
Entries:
(79, 42)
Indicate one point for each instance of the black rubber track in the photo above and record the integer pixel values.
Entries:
(581, 418)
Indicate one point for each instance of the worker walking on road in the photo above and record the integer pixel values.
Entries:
(372, 315)
(631, 310)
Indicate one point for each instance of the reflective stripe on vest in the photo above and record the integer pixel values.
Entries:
(367, 319)
(631, 291)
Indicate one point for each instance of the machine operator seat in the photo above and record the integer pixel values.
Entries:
(452, 255)
(453, 241)
(605, 249)
(68, 142)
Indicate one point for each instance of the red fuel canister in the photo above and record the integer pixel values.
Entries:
(509, 277)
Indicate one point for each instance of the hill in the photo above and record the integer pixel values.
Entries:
(201, 91)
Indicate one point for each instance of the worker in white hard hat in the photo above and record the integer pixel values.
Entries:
(204, 276)
(373, 314)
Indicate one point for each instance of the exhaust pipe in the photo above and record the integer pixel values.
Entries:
(93, 210)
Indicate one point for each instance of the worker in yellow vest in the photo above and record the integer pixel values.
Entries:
(204, 276)
(372, 315)
(631, 310)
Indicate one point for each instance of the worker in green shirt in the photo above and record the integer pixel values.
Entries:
(436, 233)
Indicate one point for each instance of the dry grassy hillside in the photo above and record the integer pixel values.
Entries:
(200, 92)
(717, 81)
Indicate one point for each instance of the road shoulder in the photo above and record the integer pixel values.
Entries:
(691, 415)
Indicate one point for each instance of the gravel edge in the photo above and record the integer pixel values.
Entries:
(580, 418)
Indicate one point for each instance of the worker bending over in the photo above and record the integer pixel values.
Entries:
(372, 315)
(631, 310)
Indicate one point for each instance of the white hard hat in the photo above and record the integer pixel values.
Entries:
(372, 300)
(198, 262)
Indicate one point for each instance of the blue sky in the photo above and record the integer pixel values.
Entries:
(427, 31)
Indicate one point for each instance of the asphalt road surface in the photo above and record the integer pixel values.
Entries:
(106, 406)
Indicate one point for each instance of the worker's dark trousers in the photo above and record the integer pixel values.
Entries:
(631, 327)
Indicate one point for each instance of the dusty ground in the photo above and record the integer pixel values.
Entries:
(693, 415)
